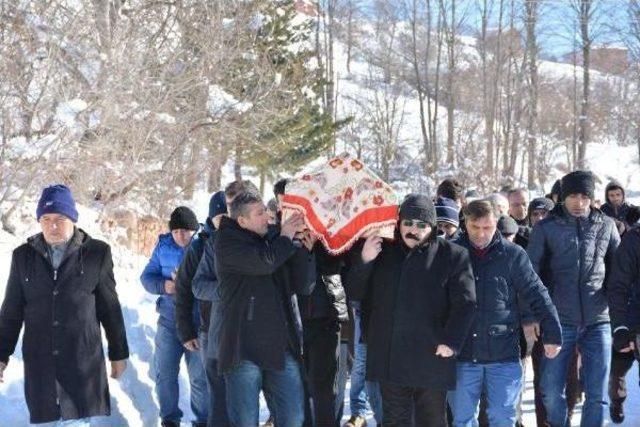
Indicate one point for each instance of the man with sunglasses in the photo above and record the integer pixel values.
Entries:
(422, 297)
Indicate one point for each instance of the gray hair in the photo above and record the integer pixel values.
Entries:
(242, 203)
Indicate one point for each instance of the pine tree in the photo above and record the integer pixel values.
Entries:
(300, 130)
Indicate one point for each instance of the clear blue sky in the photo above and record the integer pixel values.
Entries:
(557, 24)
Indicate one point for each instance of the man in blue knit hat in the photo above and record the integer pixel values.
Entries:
(447, 218)
(61, 287)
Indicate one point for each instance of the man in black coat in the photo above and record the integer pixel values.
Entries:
(422, 303)
(259, 330)
(61, 287)
(204, 287)
(623, 294)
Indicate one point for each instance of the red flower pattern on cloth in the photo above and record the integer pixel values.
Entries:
(348, 194)
(342, 200)
(336, 162)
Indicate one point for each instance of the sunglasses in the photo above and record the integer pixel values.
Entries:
(411, 222)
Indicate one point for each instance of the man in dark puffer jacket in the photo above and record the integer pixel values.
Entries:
(571, 249)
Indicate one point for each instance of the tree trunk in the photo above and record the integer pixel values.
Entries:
(583, 129)
(451, 104)
(237, 166)
(531, 20)
(419, 88)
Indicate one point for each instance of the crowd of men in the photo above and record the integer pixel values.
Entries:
(434, 327)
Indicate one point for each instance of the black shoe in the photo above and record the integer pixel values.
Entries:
(195, 424)
(167, 423)
(616, 412)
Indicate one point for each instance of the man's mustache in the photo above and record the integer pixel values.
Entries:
(412, 236)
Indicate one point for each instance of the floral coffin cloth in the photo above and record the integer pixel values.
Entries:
(342, 201)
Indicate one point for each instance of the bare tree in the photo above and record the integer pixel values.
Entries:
(531, 21)
(417, 58)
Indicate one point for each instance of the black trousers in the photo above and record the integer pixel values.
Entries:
(413, 406)
(321, 362)
(620, 365)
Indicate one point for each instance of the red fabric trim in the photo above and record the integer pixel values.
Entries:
(342, 240)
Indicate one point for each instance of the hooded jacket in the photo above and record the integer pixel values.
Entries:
(619, 214)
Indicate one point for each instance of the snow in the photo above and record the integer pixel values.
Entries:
(166, 118)
(221, 101)
(67, 111)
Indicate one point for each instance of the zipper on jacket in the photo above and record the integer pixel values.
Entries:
(55, 275)
(579, 235)
(252, 303)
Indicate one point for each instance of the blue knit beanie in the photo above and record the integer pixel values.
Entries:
(217, 204)
(447, 210)
(57, 199)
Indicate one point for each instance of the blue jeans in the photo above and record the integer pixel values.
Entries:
(502, 383)
(81, 422)
(169, 351)
(361, 389)
(217, 394)
(375, 400)
(594, 345)
(284, 388)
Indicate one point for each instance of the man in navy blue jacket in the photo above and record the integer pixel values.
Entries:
(490, 357)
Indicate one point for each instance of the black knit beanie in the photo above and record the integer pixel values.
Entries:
(183, 217)
(578, 182)
(418, 207)
(557, 189)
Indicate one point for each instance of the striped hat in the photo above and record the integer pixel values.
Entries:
(447, 211)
